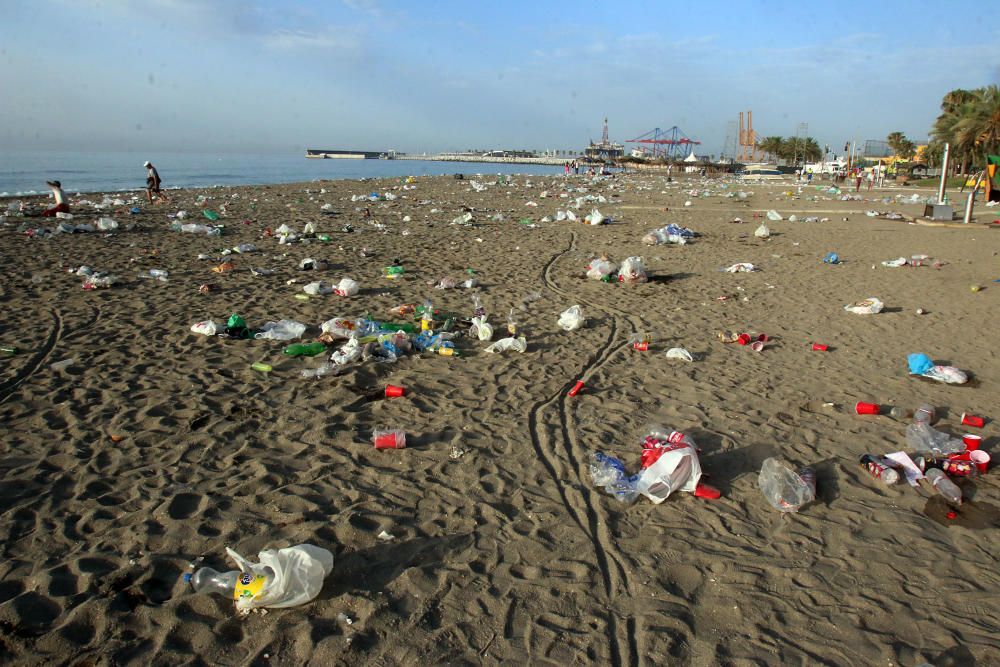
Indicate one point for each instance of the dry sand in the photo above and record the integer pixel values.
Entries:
(507, 553)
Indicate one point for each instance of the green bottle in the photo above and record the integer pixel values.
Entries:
(210, 214)
(304, 349)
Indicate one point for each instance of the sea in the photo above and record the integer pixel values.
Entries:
(24, 173)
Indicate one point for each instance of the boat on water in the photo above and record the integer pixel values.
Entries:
(761, 172)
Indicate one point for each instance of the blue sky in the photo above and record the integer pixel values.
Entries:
(252, 76)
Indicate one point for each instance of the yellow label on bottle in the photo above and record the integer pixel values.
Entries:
(446, 351)
(425, 325)
(249, 586)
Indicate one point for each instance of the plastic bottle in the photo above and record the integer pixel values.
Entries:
(944, 486)
(881, 468)
(512, 324)
(261, 366)
(900, 413)
(921, 437)
(609, 472)
(427, 317)
(305, 349)
(478, 309)
(9, 349)
(207, 580)
(233, 584)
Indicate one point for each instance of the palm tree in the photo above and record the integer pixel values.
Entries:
(970, 122)
(772, 146)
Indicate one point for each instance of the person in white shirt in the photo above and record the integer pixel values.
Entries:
(153, 183)
(60, 197)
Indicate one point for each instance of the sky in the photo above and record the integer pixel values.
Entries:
(253, 76)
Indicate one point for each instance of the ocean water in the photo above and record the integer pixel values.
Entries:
(25, 172)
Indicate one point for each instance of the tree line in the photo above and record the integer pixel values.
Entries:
(970, 123)
(791, 149)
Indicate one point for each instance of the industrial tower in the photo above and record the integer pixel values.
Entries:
(748, 141)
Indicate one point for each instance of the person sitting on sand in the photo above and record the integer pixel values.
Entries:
(153, 183)
(60, 196)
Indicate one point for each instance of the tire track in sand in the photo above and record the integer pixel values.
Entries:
(613, 573)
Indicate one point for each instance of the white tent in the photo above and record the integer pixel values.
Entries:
(690, 169)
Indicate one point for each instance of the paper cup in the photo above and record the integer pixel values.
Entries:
(393, 391)
(981, 459)
(819, 347)
(972, 442)
(576, 388)
(863, 408)
(972, 420)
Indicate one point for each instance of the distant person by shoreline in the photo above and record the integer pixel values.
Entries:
(60, 196)
(153, 183)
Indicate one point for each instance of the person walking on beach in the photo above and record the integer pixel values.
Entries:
(60, 196)
(871, 179)
(153, 182)
(858, 175)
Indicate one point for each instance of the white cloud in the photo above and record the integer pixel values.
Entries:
(301, 39)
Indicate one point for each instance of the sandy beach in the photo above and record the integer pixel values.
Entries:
(154, 447)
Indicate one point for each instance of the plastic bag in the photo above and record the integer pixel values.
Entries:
(350, 351)
(773, 215)
(318, 287)
(296, 575)
(741, 267)
(346, 287)
(869, 306)
(601, 267)
(762, 232)
(784, 488)
(632, 271)
(107, 224)
(481, 329)
(519, 344)
(206, 328)
(671, 464)
(679, 353)
(595, 218)
(281, 330)
(571, 318)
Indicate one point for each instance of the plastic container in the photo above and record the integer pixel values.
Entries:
(389, 438)
(944, 486)
(881, 468)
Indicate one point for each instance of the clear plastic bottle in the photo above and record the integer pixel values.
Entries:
(207, 580)
(512, 324)
(923, 438)
(944, 486)
(478, 309)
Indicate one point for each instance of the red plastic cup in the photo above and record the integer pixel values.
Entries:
(972, 420)
(393, 391)
(820, 347)
(576, 388)
(389, 439)
(641, 346)
(744, 339)
(972, 442)
(981, 459)
(863, 408)
(762, 338)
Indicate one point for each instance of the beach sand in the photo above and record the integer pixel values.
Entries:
(156, 446)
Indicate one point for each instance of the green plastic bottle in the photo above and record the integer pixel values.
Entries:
(305, 349)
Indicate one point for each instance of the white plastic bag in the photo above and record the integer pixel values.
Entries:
(281, 330)
(595, 218)
(519, 344)
(347, 287)
(107, 224)
(350, 351)
(741, 267)
(773, 215)
(679, 353)
(341, 327)
(632, 271)
(571, 319)
(677, 469)
(206, 328)
(481, 329)
(318, 287)
(601, 267)
(869, 306)
(296, 575)
(762, 232)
